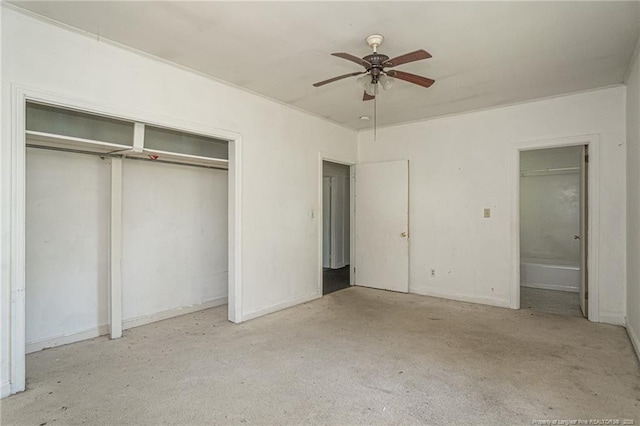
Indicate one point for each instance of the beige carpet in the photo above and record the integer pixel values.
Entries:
(356, 356)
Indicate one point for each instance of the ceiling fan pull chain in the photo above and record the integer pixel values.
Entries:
(375, 117)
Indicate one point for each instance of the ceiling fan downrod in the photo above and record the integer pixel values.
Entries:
(375, 59)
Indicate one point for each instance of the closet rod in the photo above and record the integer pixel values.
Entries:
(106, 154)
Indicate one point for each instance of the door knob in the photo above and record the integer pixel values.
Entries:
(403, 234)
(577, 237)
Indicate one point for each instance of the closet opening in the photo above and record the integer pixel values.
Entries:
(125, 221)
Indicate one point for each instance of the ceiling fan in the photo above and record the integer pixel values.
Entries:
(375, 71)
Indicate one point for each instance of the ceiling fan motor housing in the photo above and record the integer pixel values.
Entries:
(376, 60)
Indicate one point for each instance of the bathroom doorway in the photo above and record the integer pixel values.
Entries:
(553, 230)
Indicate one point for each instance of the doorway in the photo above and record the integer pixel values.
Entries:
(336, 226)
(553, 230)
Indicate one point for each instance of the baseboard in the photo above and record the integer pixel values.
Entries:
(280, 306)
(634, 339)
(5, 389)
(543, 286)
(65, 339)
(460, 297)
(608, 318)
(171, 313)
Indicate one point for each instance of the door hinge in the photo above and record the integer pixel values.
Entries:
(586, 158)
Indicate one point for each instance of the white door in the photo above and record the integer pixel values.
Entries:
(584, 197)
(326, 222)
(382, 225)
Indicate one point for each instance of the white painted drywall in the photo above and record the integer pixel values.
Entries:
(460, 165)
(633, 202)
(67, 246)
(279, 162)
(174, 237)
(340, 214)
(326, 222)
(550, 205)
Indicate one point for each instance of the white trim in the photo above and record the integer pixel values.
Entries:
(323, 156)
(73, 141)
(16, 256)
(18, 237)
(593, 211)
(426, 291)
(115, 251)
(633, 336)
(172, 313)
(544, 286)
(235, 230)
(280, 306)
(138, 137)
(187, 157)
(352, 226)
(66, 338)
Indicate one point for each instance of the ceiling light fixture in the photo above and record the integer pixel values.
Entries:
(376, 70)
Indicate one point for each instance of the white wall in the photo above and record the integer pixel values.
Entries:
(174, 237)
(550, 205)
(459, 165)
(633, 202)
(68, 207)
(326, 222)
(279, 160)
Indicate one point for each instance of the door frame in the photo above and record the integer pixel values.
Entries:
(593, 228)
(16, 211)
(323, 156)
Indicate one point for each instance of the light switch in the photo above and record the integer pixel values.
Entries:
(487, 213)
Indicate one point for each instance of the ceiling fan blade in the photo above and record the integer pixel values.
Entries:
(407, 57)
(367, 97)
(411, 78)
(331, 80)
(352, 58)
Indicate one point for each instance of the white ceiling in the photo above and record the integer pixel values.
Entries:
(484, 53)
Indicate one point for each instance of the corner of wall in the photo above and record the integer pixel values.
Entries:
(634, 339)
(5, 389)
(280, 306)
(632, 288)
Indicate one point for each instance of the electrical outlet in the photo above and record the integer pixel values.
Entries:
(487, 213)
(432, 272)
